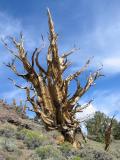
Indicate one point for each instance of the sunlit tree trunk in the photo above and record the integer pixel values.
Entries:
(51, 100)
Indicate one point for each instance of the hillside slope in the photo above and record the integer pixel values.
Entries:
(25, 139)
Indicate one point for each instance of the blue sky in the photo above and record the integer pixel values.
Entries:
(92, 25)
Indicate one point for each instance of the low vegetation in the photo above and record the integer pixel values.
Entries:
(17, 142)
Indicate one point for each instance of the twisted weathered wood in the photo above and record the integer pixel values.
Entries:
(108, 133)
(51, 100)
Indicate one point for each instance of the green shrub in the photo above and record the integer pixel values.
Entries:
(49, 151)
(34, 157)
(100, 138)
(75, 158)
(2, 140)
(10, 145)
(7, 131)
(66, 148)
(10, 158)
(32, 139)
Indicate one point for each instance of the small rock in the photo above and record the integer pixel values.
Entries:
(2, 157)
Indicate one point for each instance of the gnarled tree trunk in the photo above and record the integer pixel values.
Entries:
(51, 100)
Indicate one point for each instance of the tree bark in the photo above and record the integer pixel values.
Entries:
(51, 100)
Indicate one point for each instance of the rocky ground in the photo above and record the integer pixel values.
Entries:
(24, 139)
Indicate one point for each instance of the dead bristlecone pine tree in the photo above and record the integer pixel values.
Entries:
(48, 90)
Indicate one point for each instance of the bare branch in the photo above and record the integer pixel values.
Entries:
(18, 86)
(37, 52)
(91, 79)
(80, 91)
(75, 75)
(51, 24)
(72, 101)
(33, 56)
(37, 62)
(31, 110)
(13, 68)
(21, 39)
(80, 108)
(17, 45)
(64, 55)
(10, 50)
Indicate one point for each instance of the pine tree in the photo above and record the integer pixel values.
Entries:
(51, 100)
